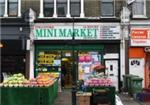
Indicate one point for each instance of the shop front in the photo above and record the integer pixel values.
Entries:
(74, 51)
(13, 47)
(139, 54)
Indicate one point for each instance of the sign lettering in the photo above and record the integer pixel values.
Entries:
(79, 32)
(140, 37)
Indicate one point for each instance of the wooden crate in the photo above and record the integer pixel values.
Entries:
(83, 100)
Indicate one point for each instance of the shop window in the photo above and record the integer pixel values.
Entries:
(61, 8)
(89, 62)
(48, 8)
(12, 8)
(139, 9)
(48, 61)
(75, 8)
(2, 7)
(107, 8)
(13, 64)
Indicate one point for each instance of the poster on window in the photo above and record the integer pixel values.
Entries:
(87, 62)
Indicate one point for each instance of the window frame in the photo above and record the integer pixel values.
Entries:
(8, 9)
(61, 2)
(50, 3)
(144, 11)
(74, 2)
(2, 4)
(108, 16)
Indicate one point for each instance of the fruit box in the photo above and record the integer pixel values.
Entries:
(83, 100)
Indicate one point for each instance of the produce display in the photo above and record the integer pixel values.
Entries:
(98, 82)
(19, 80)
(15, 80)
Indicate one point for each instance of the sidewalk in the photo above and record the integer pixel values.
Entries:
(128, 100)
(64, 98)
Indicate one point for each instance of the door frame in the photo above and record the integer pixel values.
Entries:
(119, 72)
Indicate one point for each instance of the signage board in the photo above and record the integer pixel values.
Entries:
(84, 31)
(140, 37)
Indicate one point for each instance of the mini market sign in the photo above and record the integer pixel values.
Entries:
(67, 32)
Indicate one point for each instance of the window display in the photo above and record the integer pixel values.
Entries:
(48, 60)
(88, 63)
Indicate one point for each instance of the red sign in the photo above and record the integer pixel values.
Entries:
(140, 37)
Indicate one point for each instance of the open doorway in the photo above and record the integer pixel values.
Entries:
(66, 69)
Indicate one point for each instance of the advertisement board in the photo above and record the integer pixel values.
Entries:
(80, 31)
(140, 37)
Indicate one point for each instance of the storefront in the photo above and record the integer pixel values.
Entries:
(139, 54)
(13, 46)
(12, 57)
(74, 49)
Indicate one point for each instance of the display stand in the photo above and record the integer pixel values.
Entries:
(102, 94)
(29, 95)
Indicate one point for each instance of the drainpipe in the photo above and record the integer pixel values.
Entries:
(124, 46)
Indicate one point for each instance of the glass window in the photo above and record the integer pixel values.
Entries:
(12, 7)
(2, 7)
(61, 8)
(138, 7)
(48, 8)
(75, 8)
(107, 8)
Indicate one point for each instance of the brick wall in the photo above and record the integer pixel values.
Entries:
(92, 8)
(34, 4)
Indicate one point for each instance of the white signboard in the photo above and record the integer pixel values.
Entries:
(86, 31)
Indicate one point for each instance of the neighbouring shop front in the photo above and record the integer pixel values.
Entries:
(13, 47)
(139, 54)
(75, 50)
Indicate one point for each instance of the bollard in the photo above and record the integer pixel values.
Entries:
(74, 90)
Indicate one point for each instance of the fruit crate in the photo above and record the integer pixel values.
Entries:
(83, 98)
(29, 95)
(109, 95)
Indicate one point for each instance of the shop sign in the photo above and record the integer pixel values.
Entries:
(140, 37)
(109, 32)
(79, 32)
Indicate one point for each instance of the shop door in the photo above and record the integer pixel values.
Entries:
(136, 67)
(67, 68)
(112, 71)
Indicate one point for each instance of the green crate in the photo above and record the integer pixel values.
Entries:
(29, 95)
(110, 94)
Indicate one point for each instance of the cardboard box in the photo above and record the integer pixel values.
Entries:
(83, 100)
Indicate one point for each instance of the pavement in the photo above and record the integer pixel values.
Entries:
(128, 100)
(65, 98)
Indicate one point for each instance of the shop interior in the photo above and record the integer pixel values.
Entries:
(77, 64)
